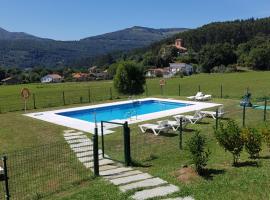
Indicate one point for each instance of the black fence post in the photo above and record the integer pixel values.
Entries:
(6, 178)
(127, 144)
(34, 100)
(179, 90)
(265, 108)
(244, 115)
(216, 118)
(95, 152)
(64, 99)
(89, 95)
(181, 134)
(111, 97)
(81, 100)
(146, 90)
(221, 91)
(102, 139)
(199, 88)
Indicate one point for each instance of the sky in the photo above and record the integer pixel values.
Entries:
(77, 19)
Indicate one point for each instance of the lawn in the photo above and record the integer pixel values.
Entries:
(234, 86)
(158, 155)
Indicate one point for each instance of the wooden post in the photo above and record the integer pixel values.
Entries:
(244, 115)
(89, 95)
(265, 108)
(179, 90)
(34, 101)
(221, 91)
(111, 97)
(64, 99)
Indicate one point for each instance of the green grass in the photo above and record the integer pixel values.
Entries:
(51, 95)
(160, 156)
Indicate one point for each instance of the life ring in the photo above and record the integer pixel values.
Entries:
(25, 93)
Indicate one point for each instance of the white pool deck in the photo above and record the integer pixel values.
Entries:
(53, 117)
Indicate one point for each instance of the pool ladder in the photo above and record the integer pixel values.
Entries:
(130, 113)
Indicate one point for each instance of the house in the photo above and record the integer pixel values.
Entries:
(181, 67)
(80, 76)
(94, 69)
(179, 45)
(52, 78)
(10, 80)
(158, 72)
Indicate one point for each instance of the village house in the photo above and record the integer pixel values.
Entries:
(179, 45)
(10, 80)
(80, 76)
(52, 78)
(158, 72)
(184, 68)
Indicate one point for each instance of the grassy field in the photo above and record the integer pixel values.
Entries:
(160, 156)
(234, 86)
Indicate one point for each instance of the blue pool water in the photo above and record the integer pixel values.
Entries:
(123, 111)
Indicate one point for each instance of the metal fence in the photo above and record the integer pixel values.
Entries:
(38, 172)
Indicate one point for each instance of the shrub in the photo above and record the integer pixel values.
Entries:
(199, 155)
(230, 138)
(129, 78)
(253, 141)
(266, 136)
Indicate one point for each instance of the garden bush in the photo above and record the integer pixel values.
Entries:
(253, 141)
(230, 138)
(266, 136)
(199, 154)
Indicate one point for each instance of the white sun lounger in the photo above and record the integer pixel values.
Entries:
(199, 94)
(156, 128)
(193, 119)
(175, 124)
(204, 97)
(212, 114)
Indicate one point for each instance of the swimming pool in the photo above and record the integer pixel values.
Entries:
(123, 111)
(82, 118)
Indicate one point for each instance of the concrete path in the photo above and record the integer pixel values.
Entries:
(142, 185)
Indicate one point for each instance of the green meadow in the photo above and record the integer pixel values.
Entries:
(158, 155)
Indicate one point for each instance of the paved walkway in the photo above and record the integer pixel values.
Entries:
(143, 185)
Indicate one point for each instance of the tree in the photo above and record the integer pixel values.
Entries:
(112, 69)
(230, 138)
(215, 55)
(129, 78)
(197, 149)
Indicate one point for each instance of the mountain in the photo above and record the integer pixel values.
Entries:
(24, 50)
(6, 35)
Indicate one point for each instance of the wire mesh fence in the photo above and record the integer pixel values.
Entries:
(38, 172)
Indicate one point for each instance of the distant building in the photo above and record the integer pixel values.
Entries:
(179, 45)
(80, 76)
(94, 69)
(158, 72)
(181, 67)
(10, 80)
(52, 78)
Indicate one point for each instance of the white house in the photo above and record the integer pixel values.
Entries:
(181, 67)
(51, 78)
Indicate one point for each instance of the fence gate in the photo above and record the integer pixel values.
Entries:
(119, 148)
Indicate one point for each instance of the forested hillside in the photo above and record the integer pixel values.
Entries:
(24, 50)
(216, 47)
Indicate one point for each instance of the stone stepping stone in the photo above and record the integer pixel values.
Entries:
(87, 153)
(181, 198)
(82, 149)
(129, 179)
(69, 131)
(128, 173)
(82, 144)
(75, 137)
(101, 162)
(155, 192)
(107, 167)
(78, 141)
(116, 171)
(89, 158)
(73, 134)
(142, 184)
